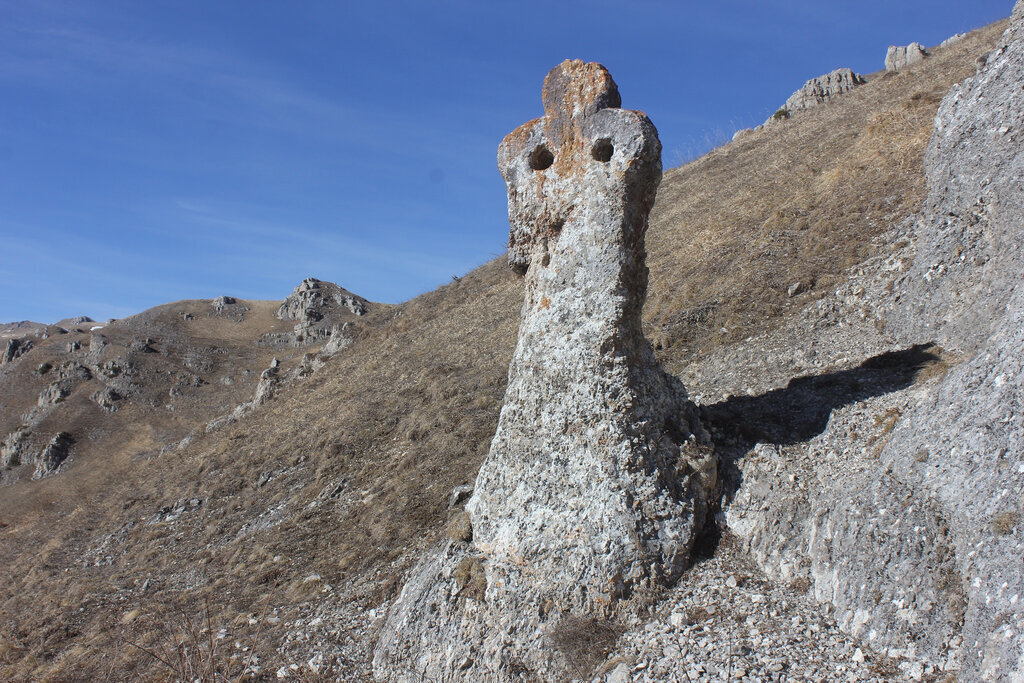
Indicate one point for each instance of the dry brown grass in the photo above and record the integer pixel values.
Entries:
(357, 462)
(797, 202)
(1003, 523)
(584, 643)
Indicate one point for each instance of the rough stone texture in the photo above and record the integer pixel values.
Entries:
(267, 386)
(904, 512)
(53, 394)
(963, 446)
(229, 307)
(13, 448)
(969, 259)
(53, 455)
(107, 398)
(13, 349)
(596, 482)
(899, 57)
(313, 299)
(819, 91)
(953, 39)
(728, 621)
(317, 306)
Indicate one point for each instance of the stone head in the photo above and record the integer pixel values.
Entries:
(584, 149)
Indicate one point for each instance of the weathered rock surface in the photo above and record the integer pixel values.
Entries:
(314, 299)
(229, 307)
(53, 455)
(13, 448)
(904, 512)
(969, 258)
(963, 447)
(953, 39)
(596, 484)
(819, 91)
(13, 349)
(53, 394)
(107, 398)
(318, 307)
(899, 57)
(728, 621)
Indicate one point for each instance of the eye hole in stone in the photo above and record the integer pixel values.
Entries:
(541, 158)
(602, 150)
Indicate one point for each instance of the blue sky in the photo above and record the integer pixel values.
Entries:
(155, 151)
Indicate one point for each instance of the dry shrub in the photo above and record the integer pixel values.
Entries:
(1003, 523)
(188, 647)
(584, 642)
(939, 366)
(470, 578)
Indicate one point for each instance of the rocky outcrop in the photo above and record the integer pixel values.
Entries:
(97, 342)
(229, 307)
(53, 394)
(968, 261)
(221, 301)
(266, 388)
(13, 448)
(963, 447)
(314, 300)
(317, 306)
(107, 398)
(953, 39)
(906, 513)
(899, 57)
(53, 455)
(13, 349)
(596, 483)
(818, 91)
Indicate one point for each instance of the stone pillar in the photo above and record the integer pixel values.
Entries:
(597, 480)
(589, 480)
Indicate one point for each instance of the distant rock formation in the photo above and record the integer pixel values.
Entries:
(818, 91)
(317, 306)
(823, 89)
(953, 39)
(13, 349)
(899, 57)
(597, 480)
(53, 455)
(24, 328)
(314, 299)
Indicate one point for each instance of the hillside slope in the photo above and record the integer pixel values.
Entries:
(284, 534)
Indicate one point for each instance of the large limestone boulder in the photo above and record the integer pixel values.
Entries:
(899, 57)
(818, 91)
(596, 484)
(53, 455)
(964, 292)
(912, 525)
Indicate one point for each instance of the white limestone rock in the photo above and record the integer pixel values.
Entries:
(899, 57)
(597, 481)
